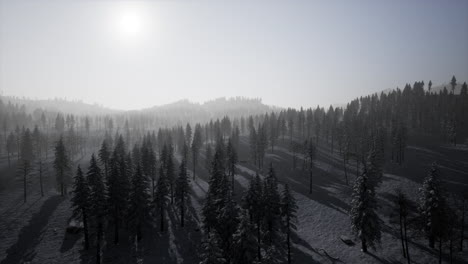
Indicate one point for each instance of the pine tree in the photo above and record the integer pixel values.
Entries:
(227, 223)
(402, 204)
(364, 220)
(288, 213)
(182, 191)
(431, 201)
(27, 156)
(245, 245)
(104, 157)
(98, 202)
(253, 202)
(139, 202)
(81, 202)
(311, 153)
(196, 145)
(11, 146)
(211, 252)
(272, 208)
(118, 186)
(453, 83)
(231, 162)
(61, 166)
(160, 198)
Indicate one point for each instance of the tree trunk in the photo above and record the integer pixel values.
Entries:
(182, 211)
(61, 188)
(9, 163)
(152, 187)
(310, 179)
(462, 229)
(40, 179)
(85, 229)
(289, 244)
(116, 228)
(431, 241)
(451, 251)
(363, 245)
(98, 246)
(194, 164)
(162, 219)
(25, 172)
(406, 241)
(259, 253)
(401, 236)
(440, 250)
(345, 170)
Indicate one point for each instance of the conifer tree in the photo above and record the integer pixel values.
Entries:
(245, 245)
(27, 156)
(431, 201)
(11, 146)
(160, 198)
(81, 202)
(272, 208)
(61, 166)
(97, 199)
(364, 220)
(288, 213)
(227, 223)
(231, 162)
(118, 186)
(253, 202)
(195, 147)
(211, 251)
(182, 191)
(104, 157)
(402, 204)
(311, 152)
(139, 202)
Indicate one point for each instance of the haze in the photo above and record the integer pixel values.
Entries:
(136, 54)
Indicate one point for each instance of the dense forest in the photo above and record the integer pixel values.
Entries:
(125, 173)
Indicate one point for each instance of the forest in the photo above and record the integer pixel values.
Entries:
(383, 179)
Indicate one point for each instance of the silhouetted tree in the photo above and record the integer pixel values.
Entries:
(81, 202)
(62, 166)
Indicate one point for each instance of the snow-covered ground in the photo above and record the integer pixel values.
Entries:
(35, 231)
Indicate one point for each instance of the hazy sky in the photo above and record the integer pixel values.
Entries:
(136, 54)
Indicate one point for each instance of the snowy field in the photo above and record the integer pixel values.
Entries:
(35, 231)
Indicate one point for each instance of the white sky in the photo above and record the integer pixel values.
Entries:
(136, 54)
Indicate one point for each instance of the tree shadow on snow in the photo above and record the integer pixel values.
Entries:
(30, 235)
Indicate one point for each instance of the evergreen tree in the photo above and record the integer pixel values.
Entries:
(288, 213)
(311, 153)
(453, 83)
(245, 244)
(11, 146)
(139, 202)
(160, 198)
(182, 190)
(253, 202)
(61, 166)
(272, 208)
(81, 202)
(196, 145)
(431, 202)
(231, 162)
(97, 199)
(27, 156)
(118, 187)
(211, 252)
(104, 157)
(364, 220)
(402, 204)
(227, 224)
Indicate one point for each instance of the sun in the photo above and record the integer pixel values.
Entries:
(130, 23)
(130, 20)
